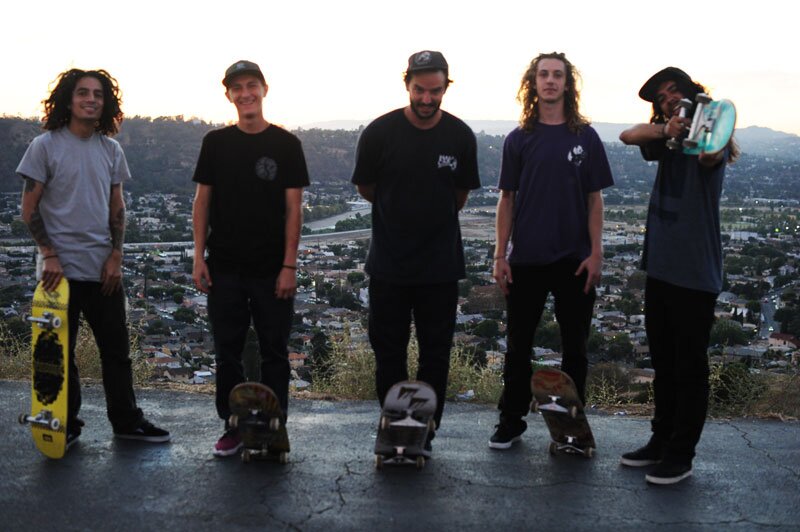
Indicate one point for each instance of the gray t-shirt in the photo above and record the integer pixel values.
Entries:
(683, 244)
(77, 174)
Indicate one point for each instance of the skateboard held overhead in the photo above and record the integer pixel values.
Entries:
(556, 398)
(406, 420)
(49, 370)
(257, 414)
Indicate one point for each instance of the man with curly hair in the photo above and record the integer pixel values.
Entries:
(73, 206)
(683, 259)
(548, 231)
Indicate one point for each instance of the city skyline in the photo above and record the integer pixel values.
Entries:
(344, 60)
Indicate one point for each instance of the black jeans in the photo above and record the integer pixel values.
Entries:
(525, 303)
(433, 308)
(233, 301)
(678, 322)
(106, 317)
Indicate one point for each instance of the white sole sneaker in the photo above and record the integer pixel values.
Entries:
(663, 481)
(504, 445)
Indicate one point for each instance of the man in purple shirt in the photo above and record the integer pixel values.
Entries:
(549, 228)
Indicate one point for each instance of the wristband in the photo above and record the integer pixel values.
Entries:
(498, 258)
(290, 267)
(50, 257)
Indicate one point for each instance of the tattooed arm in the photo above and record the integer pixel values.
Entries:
(111, 275)
(51, 267)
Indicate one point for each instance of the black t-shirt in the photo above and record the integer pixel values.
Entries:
(416, 238)
(249, 174)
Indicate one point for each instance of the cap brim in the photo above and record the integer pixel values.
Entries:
(649, 90)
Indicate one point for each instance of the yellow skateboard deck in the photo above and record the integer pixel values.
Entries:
(50, 370)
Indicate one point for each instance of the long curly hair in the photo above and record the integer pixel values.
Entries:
(57, 106)
(529, 99)
(690, 89)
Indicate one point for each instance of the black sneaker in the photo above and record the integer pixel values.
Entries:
(146, 431)
(507, 433)
(667, 472)
(648, 455)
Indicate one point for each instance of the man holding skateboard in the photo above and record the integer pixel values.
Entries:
(683, 259)
(247, 214)
(73, 206)
(549, 227)
(416, 165)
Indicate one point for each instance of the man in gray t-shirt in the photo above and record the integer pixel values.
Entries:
(73, 206)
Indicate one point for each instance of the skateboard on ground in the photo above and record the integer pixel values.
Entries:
(257, 414)
(712, 125)
(49, 370)
(556, 398)
(406, 420)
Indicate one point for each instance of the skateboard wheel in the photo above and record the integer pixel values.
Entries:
(534, 406)
(384, 422)
(54, 424)
(233, 421)
(420, 462)
(283, 458)
(588, 452)
(378, 461)
(431, 425)
(274, 424)
(23, 419)
(55, 322)
(246, 455)
(573, 412)
(552, 448)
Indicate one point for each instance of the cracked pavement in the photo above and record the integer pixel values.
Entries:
(746, 475)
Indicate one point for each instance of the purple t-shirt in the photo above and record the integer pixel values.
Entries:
(552, 170)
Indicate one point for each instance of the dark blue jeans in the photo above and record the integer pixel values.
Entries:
(433, 308)
(525, 303)
(678, 323)
(106, 317)
(233, 301)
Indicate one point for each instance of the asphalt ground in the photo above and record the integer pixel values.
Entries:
(746, 475)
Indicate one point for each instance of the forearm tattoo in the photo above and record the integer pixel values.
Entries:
(118, 228)
(36, 223)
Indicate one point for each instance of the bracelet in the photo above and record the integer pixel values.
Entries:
(290, 267)
(50, 257)
(498, 258)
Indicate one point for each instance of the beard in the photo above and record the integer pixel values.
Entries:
(424, 111)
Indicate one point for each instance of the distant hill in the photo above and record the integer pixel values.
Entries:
(753, 139)
(162, 153)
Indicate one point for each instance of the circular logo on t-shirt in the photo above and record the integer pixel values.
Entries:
(266, 169)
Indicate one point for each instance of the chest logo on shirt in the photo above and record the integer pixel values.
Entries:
(446, 161)
(266, 169)
(576, 155)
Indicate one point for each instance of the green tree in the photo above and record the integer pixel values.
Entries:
(727, 332)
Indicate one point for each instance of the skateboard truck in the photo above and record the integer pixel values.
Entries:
(700, 123)
(685, 104)
(553, 406)
(42, 419)
(48, 320)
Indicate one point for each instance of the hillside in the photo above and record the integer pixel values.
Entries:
(162, 153)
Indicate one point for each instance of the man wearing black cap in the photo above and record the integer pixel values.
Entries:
(416, 165)
(247, 214)
(683, 259)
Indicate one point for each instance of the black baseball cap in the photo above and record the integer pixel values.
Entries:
(650, 87)
(242, 67)
(427, 60)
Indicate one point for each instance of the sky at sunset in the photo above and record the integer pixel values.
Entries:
(343, 60)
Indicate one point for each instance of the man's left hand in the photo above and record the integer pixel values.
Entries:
(111, 274)
(286, 286)
(593, 265)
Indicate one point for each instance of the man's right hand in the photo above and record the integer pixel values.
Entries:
(502, 274)
(201, 276)
(52, 272)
